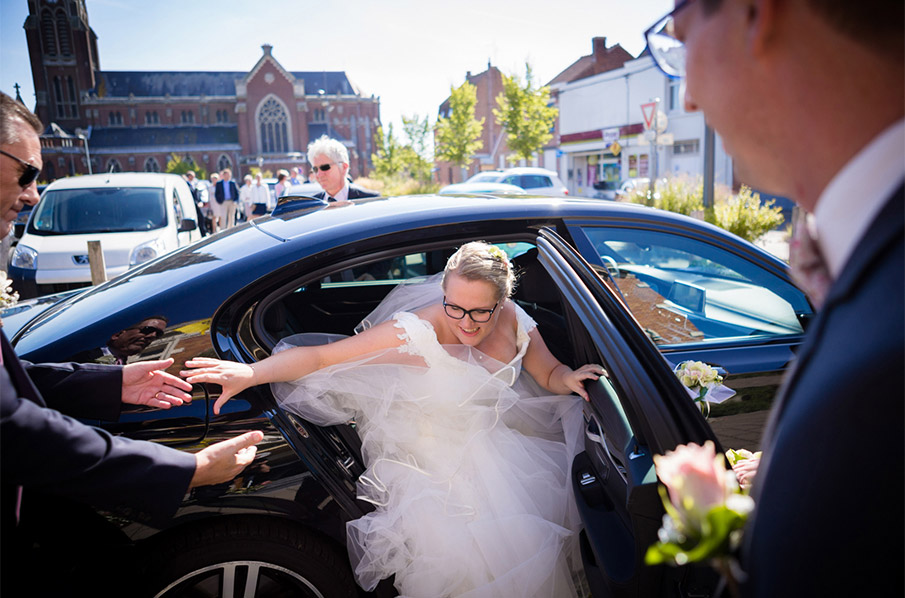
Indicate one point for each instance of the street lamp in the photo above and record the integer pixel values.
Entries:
(87, 153)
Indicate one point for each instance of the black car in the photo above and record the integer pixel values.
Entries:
(616, 284)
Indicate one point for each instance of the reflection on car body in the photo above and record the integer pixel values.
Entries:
(589, 278)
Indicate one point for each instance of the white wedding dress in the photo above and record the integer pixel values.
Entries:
(467, 463)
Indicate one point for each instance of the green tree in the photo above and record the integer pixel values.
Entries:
(182, 164)
(524, 114)
(419, 156)
(388, 159)
(458, 135)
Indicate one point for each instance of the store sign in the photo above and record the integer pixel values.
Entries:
(610, 136)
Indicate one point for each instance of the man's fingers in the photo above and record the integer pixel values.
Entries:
(245, 456)
(245, 441)
(167, 378)
(221, 400)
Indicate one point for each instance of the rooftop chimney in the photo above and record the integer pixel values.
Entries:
(599, 45)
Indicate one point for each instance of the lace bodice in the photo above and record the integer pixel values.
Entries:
(421, 339)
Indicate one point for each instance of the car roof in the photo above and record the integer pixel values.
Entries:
(529, 170)
(485, 187)
(115, 179)
(219, 264)
(373, 216)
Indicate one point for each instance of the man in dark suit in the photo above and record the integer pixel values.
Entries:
(330, 164)
(809, 99)
(226, 194)
(43, 451)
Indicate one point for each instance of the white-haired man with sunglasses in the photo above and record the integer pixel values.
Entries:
(330, 165)
(44, 452)
(20, 161)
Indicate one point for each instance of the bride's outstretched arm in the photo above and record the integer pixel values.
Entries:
(287, 365)
(554, 375)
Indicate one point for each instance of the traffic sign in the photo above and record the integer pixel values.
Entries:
(649, 111)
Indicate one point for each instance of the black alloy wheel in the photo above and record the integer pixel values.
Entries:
(247, 557)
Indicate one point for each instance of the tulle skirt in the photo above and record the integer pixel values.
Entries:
(468, 469)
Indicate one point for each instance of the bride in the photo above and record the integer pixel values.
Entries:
(467, 456)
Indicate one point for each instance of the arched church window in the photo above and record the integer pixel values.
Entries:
(73, 105)
(272, 122)
(152, 165)
(113, 165)
(224, 162)
(48, 33)
(58, 97)
(64, 35)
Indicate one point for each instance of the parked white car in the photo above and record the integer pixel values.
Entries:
(136, 217)
(535, 181)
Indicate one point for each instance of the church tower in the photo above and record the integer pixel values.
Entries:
(64, 59)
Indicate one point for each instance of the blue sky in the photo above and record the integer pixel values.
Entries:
(408, 52)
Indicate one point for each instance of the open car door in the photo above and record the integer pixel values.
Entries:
(639, 410)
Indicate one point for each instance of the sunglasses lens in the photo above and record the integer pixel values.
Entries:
(323, 167)
(29, 176)
(151, 330)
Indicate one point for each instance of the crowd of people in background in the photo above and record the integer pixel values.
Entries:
(222, 204)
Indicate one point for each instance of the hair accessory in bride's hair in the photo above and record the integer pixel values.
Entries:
(498, 254)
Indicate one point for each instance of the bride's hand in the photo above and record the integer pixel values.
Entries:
(574, 379)
(234, 377)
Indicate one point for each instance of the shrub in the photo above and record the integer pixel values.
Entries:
(397, 185)
(682, 195)
(745, 216)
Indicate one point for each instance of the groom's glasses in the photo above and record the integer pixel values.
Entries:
(478, 316)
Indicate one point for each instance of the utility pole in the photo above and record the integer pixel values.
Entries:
(653, 154)
(708, 166)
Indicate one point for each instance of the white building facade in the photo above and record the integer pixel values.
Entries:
(604, 140)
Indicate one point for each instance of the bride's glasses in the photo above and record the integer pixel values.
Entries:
(479, 316)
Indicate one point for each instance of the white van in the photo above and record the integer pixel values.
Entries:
(135, 216)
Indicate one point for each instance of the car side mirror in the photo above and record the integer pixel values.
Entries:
(187, 225)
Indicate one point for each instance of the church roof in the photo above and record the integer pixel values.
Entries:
(115, 84)
(154, 136)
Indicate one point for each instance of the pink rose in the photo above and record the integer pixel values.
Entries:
(695, 478)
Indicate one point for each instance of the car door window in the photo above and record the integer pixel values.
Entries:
(177, 209)
(536, 181)
(683, 290)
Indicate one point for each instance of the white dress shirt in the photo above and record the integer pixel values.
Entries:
(342, 194)
(857, 193)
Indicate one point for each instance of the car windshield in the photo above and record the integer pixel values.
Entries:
(117, 209)
(484, 177)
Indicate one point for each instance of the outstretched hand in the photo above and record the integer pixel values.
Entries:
(147, 383)
(223, 461)
(234, 377)
(573, 380)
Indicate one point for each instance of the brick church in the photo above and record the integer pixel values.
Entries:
(137, 120)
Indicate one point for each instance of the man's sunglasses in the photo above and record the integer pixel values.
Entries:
(29, 175)
(149, 330)
(322, 167)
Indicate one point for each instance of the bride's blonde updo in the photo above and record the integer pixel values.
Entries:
(482, 261)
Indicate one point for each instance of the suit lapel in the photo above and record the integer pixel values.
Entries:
(886, 228)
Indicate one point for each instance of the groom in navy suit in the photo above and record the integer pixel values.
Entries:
(809, 99)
